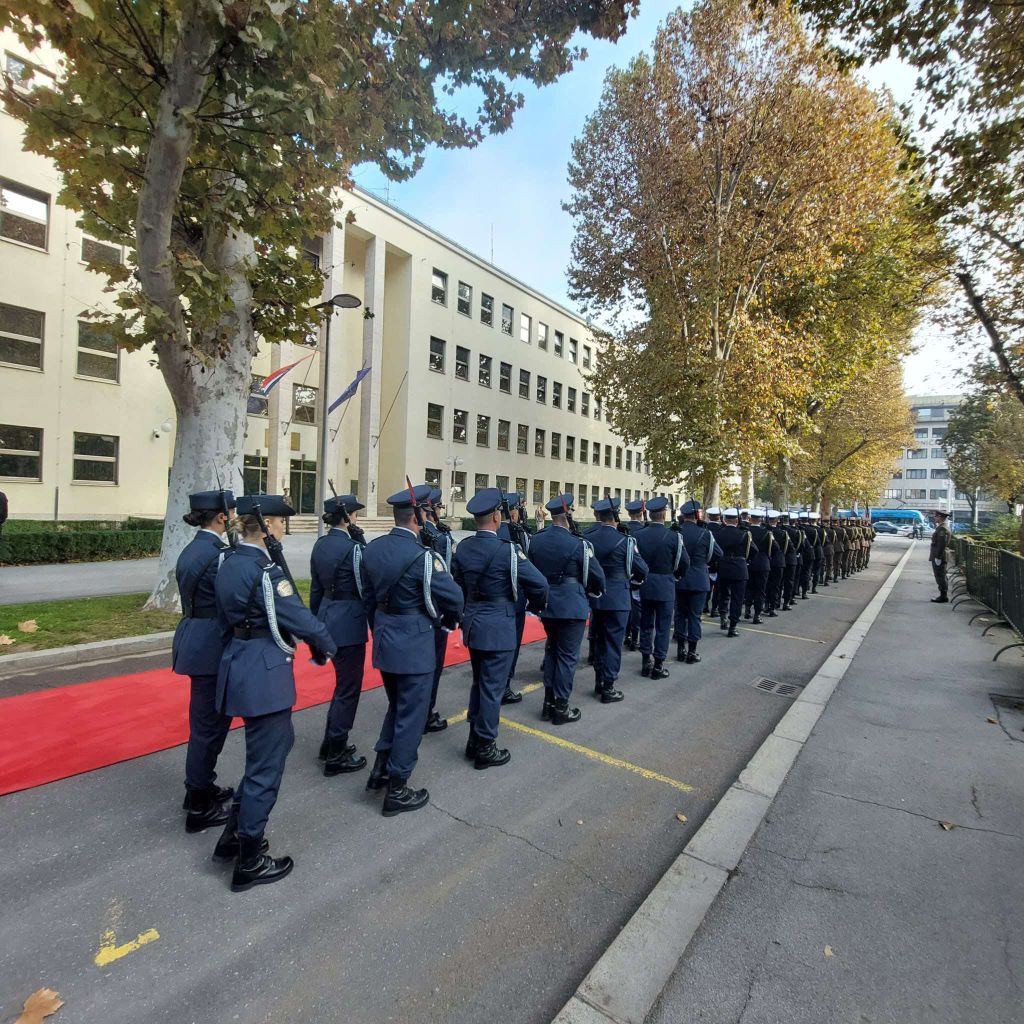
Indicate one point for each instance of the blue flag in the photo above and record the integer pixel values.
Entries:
(350, 390)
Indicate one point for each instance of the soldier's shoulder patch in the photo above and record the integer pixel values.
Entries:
(285, 589)
(438, 564)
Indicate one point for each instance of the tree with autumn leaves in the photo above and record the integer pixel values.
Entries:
(755, 238)
(212, 137)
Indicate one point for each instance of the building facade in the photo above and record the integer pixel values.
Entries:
(475, 379)
(922, 479)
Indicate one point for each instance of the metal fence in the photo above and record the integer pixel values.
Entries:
(993, 577)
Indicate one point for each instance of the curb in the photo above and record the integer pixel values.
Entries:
(617, 991)
(99, 650)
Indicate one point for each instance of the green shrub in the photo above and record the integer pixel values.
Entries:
(42, 546)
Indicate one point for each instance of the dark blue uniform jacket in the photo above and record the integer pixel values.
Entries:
(567, 563)
(338, 594)
(737, 546)
(199, 638)
(702, 549)
(665, 554)
(622, 564)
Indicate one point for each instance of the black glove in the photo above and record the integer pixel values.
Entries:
(623, 529)
(320, 656)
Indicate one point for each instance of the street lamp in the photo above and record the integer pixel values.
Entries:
(454, 461)
(341, 301)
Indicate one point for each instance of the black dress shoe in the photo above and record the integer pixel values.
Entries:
(756, 620)
(435, 723)
(548, 706)
(732, 632)
(254, 867)
(746, 614)
(378, 777)
(342, 759)
(722, 624)
(658, 670)
(609, 695)
(645, 665)
(773, 614)
(227, 845)
(490, 755)
(562, 714)
(692, 658)
(204, 810)
(221, 794)
(400, 798)
(511, 696)
(630, 644)
(941, 599)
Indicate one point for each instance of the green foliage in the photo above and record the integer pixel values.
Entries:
(20, 526)
(77, 545)
(1002, 531)
(985, 445)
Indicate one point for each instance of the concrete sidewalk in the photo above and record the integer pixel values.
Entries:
(854, 902)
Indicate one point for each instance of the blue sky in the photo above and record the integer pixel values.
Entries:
(514, 184)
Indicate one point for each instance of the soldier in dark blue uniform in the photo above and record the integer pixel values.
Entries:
(692, 588)
(492, 574)
(339, 598)
(773, 590)
(737, 547)
(615, 548)
(566, 561)
(637, 521)
(665, 554)
(760, 565)
(411, 590)
(789, 578)
(806, 556)
(439, 539)
(198, 645)
(259, 610)
(515, 530)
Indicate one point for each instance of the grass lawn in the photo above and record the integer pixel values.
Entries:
(85, 620)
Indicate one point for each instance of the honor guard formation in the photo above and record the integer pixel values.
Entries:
(636, 582)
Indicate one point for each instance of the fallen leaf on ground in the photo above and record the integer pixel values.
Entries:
(682, 817)
(42, 1003)
(947, 825)
(580, 822)
(828, 951)
(5, 640)
(28, 626)
(991, 721)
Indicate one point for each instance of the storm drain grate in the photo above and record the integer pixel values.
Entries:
(774, 686)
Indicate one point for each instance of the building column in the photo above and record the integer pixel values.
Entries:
(373, 348)
(277, 444)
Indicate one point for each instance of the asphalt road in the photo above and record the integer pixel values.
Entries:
(493, 903)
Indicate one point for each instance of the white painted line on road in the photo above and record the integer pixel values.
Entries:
(625, 983)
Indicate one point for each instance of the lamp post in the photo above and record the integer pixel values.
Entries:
(340, 301)
(454, 461)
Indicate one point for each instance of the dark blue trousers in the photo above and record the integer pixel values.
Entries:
(408, 705)
(789, 583)
(689, 606)
(655, 627)
(773, 589)
(609, 634)
(268, 738)
(348, 684)
(520, 626)
(756, 585)
(207, 730)
(490, 674)
(732, 598)
(633, 628)
(561, 654)
(440, 649)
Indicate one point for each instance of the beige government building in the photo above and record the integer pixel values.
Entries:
(475, 378)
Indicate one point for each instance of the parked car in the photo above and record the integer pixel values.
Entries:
(884, 526)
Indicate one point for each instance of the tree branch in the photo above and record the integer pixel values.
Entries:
(998, 345)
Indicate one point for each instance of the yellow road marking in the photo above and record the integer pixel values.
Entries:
(596, 755)
(463, 715)
(788, 636)
(109, 952)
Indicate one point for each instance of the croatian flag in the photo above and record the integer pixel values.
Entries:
(269, 383)
(350, 391)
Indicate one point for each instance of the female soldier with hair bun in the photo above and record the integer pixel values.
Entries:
(198, 646)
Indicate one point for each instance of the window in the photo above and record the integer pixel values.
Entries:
(940, 474)
(486, 310)
(304, 404)
(939, 495)
(597, 408)
(522, 438)
(539, 441)
(21, 336)
(937, 432)
(553, 491)
(501, 482)
(893, 493)
(507, 315)
(581, 496)
(597, 453)
(505, 378)
(618, 457)
(521, 486)
(21, 452)
(23, 73)
(439, 287)
(917, 453)
(524, 384)
(432, 477)
(608, 455)
(97, 352)
(461, 426)
(435, 420)
(480, 481)
(916, 492)
(917, 474)
(504, 432)
(437, 347)
(95, 458)
(963, 496)
(586, 357)
(898, 475)
(465, 301)
(95, 251)
(483, 432)
(570, 447)
(254, 474)
(556, 445)
(574, 350)
(585, 403)
(483, 375)
(584, 449)
(556, 395)
(921, 434)
(525, 328)
(570, 400)
(538, 491)
(459, 483)
(461, 362)
(559, 343)
(629, 461)
(542, 336)
(542, 389)
(24, 214)
(936, 453)
(257, 404)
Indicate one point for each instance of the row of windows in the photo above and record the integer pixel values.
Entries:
(544, 442)
(922, 474)
(932, 413)
(921, 493)
(464, 304)
(921, 433)
(22, 333)
(95, 456)
(438, 361)
(922, 453)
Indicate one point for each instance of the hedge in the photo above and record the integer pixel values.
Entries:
(40, 546)
(21, 526)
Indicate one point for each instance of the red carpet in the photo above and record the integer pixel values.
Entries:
(54, 734)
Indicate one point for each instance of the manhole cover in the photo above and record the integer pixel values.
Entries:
(765, 685)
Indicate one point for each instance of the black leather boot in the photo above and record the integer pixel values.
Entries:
(645, 665)
(378, 777)
(490, 755)
(732, 630)
(692, 657)
(746, 613)
(680, 651)
(341, 758)
(400, 798)
(630, 642)
(722, 622)
(598, 686)
(590, 652)
(658, 670)
(435, 723)
(772, 613)
(205, 809)
(756, 620)
(255, 867)
(609, 695)
(549, 705)
(220, 793)
(511, 696)
(472, 744)
(322, 755)
(562, 714)
(227, 845)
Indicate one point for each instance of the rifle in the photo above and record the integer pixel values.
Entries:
(573, 528)
(355, 532)
(418, 513)
(643, 510)
(515, 530)
(229, 533)
(273, 545)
